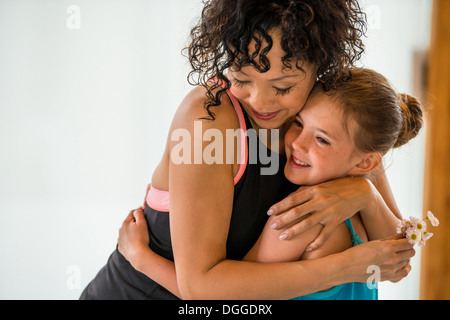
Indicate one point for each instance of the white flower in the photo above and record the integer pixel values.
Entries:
(403, 226)
(434, 221)
(426, 236)
(414, 229)
(421, 243)
(418, 224)
(413, 235)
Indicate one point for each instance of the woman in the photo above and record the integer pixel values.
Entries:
(266, 56)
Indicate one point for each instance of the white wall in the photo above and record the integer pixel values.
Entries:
(83, 119)
(396, 30)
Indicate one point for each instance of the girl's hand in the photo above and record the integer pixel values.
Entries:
(328, 204)
(133, 236)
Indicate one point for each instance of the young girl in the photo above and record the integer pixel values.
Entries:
(342, 133)
(266, 56)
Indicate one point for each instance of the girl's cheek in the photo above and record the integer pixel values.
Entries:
(292, 134)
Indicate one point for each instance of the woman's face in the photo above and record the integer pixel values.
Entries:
(318, 147)
(272, 98)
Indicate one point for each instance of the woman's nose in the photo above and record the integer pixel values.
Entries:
(260, 101)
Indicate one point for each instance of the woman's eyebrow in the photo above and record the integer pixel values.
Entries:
(275, 79)
(284, 77)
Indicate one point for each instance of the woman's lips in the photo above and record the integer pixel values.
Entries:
(265, 116)
(297, 164)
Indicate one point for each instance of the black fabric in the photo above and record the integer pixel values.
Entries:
(253, 196)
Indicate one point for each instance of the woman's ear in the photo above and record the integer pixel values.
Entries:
(369, 162)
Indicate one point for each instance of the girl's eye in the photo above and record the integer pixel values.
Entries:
(323, 141)
(298, 123)
(239, 83)
(283, 92)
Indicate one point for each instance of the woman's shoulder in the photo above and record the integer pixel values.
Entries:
(192, 109)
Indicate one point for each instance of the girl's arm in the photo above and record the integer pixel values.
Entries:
(380, 215)
(377, 222)
(269, 247)
(133, 245)
(335, 201)
(381, 183)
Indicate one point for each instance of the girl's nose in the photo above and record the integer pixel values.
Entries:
(301, 143)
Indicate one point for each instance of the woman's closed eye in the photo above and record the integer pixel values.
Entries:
(279, 91)
(239, 83)
(283, 92)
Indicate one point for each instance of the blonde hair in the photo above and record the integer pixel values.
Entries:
(385, 118)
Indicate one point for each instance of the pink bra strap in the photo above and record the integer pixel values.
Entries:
(158, 199)
(243, 126)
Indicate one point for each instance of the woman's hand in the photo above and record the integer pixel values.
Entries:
(133, 236)
(389, 258)
(328, 204)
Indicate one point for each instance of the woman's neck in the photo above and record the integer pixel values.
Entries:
(281, 133)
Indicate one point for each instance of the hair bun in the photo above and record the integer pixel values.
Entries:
(412, 118)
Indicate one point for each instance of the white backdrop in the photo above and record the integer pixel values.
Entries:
(87, 93)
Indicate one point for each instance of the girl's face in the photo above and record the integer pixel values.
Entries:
(272, 98)
(318, 147)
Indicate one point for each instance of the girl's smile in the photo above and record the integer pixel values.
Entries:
(318, 146)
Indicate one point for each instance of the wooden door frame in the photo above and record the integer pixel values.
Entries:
(435, 256)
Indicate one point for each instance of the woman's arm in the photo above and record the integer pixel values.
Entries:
(391, 255)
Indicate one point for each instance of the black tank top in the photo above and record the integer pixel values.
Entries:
(254, 193)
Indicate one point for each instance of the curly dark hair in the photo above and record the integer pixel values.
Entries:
(326, 33)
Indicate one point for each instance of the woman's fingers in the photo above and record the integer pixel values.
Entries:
(399, 244)
(400, 252)
(292, 201)
(323, 236)
(297, 215)
(402, 272)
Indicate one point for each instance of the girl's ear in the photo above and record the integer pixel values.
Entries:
(369, 162)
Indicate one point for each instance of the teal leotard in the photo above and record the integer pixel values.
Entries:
(347, 291)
